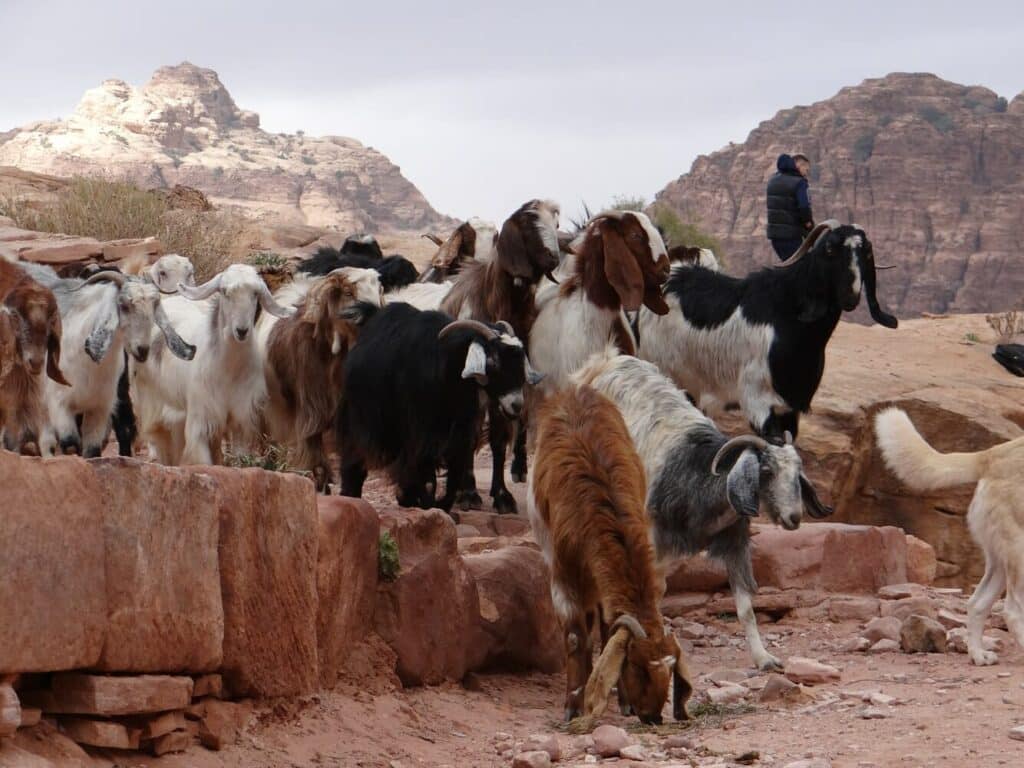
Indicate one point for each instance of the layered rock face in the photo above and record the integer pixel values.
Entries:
(933, 170)
(183, 127)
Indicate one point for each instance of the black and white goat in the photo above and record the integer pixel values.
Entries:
(364, 252)
(415, 387)
(760, 341)
(702, 488)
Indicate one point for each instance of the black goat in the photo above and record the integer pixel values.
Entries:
(362, 251)
(760, 341)
(412, 398)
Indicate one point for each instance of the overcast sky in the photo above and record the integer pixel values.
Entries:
(486, 106)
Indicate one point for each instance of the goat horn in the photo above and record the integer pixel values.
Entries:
(789, 437)
(103, 277)
(469, 325)
(887, 266)
(740, 441)
(507, 326)
(433, 238)
(808, 243)
(630, 623)
(200, 292)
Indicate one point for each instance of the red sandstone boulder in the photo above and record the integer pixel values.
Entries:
(429, 614)
(346, 579)
(160, 532)
(53, 605)
(833, 557)
(516, 613)
(921, 561)
(697, 574)
(268, 571)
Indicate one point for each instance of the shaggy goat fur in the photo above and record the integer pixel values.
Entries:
(586, 506)
(995, 516)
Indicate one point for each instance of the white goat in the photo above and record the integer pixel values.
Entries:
(103, 316)
(185, 412)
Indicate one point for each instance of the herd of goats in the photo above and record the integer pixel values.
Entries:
(610, 346)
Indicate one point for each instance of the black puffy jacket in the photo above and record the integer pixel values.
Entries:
(789, 207)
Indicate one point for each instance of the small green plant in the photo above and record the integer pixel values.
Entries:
(268, 260)
(863, 147)
(628, 203)
(273, 459)
(1001, 104)
(308, 159)
(884, 120)
(938, 119)
(388, 565)
(972, 337)
(679, 232)
(838, 121)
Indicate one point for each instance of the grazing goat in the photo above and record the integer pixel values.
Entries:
(362, 251)
(303, 360)
(692, 506)
(692, 256)
(414, 390)
(620, 264)
(473, 239)
(995, 517)
(586, 506)
(503, 289)
(103, 316)
(760, 341)
(36, 319)
(186, 411)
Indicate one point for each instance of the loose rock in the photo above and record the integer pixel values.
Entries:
(633, 752)
(887, 628)
(951, 620)
(956, 640)
(852, 608)
(10, 710)
(855, 645)
(727, 693)
(546, 742)
(873, 713)
(920, 634)
(923, 606)
(537, 758)
(803, 670)
(609, 740)
(1017, 733)
(884, 646)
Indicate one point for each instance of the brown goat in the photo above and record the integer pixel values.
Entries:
(34, 319)
(304, 363)
(503, 289)
(587, 511)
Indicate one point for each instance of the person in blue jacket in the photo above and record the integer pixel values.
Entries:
(789, 204)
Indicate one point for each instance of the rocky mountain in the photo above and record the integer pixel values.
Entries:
(933, 170)
(183, 127)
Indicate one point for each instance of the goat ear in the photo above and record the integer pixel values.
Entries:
(476, 364)
(814, 506)
(742, 486)
(53, 350)
(315, 299)
(682, 687)
(654, 300)
(621, 269)
(512, 253)
(606, 673)
(102, 335)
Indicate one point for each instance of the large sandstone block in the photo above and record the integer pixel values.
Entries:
(349, 532)
(53, 612)
(81, 694)
(516, 612)
(833, 557)
(160, 529)
(268, 546)
(430, 614)
(697, 574)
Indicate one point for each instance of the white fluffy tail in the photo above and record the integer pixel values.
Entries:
(915, 462)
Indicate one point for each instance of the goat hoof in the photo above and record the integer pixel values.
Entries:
(518, 475)
(504, 503)
(770, 664)
(571, 713)
(466, 500)
(626, 710)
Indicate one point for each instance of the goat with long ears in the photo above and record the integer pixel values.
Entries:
(586, 506)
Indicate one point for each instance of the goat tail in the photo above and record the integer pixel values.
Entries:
(915, 462)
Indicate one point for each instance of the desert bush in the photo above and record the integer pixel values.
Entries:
(388, 563)
(679, 232)
(864, 147)
(212, 240)
(938, 119)
(1007, 325)
(271, 457)
(1001, 104)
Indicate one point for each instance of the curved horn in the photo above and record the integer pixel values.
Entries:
(105, 276)
(740, 441)
(432, 238)
(506, 326)
(630, 623)
(271, 306)
(469, 325)
(808, 243)
(887, 266)
(200, 292)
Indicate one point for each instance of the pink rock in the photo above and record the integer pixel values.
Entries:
(887, 628)
(534, 759)
(609, 740)
(800, 669)
(546, 742)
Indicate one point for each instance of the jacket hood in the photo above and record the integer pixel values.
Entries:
(785, 164)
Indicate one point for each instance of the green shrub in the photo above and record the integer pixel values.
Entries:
(267, 259)
(863, 147)
(679, 232)
(1001, 104)
(388, 564)
(937, 118)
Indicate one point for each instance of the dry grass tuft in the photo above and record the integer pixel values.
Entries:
(1007, 325)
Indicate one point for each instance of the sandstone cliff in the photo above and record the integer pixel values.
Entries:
(183, 127)
(933, 170)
